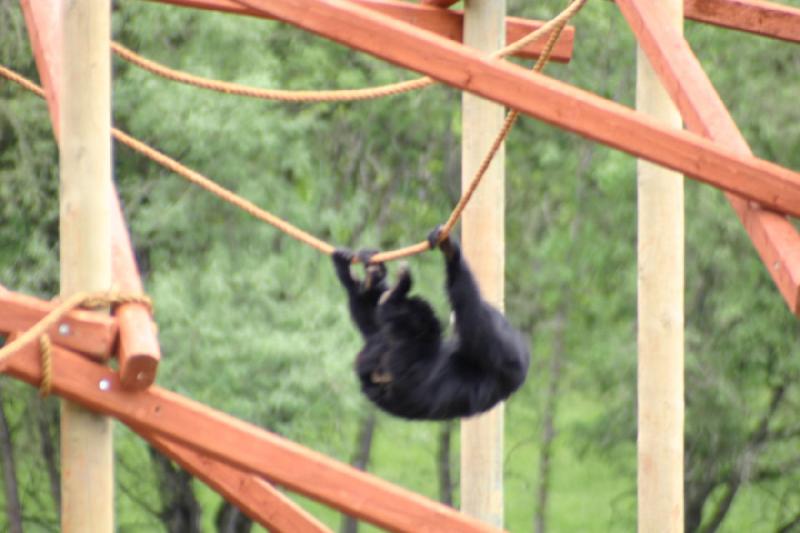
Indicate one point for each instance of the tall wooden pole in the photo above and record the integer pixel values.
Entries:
(660, 319)
(484, 248)
(87, 478)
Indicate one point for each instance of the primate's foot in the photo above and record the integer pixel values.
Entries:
(400, 288)
(375, 272)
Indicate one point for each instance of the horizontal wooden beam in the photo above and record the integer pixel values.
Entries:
(774, 236)
(255, 497)
(139, 351)
(538, 96)
(242, 445)
(83, 331)
(763, 18)
(447, 23)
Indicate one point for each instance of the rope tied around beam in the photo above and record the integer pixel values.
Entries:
(86, 300)
(553, 28)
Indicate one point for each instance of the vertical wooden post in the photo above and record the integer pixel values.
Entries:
(660, 319)
(484, 248)
(87, 478)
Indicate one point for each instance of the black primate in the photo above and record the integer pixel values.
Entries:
(406, 368)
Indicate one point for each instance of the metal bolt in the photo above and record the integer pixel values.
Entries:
(105, 384)
(64, 329)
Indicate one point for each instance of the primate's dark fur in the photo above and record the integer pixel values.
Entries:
(406, 367)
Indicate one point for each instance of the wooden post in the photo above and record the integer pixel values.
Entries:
(484, 248)
(87, 478)
(660, 319)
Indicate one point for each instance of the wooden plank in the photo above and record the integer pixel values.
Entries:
(87, 444)
(775, 238)
(139, 351)
(660, 320)
(243, 446)
(43, 20)
(439, 3)
(81, 331)
(255, 497)
(755, 16)
(447, 23)
(539, 96)
(483, 242)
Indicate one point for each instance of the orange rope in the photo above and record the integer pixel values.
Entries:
(268, 94)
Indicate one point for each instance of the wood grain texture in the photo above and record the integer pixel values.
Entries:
(773, 235)
(754, 16)
(84, 90)
(483, 245)
(439, 3)
(660, 315)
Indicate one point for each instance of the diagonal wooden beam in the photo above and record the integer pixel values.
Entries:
(775, 238)
(139, 351)
(439, 3)
(544, 98)
(242, 445)
(257, 498)
(754, 16)
(44, 31)
(443, 22)
(82, 331)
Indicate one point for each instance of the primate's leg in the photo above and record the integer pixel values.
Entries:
(375, 273)
(401, 287)
(342, 258)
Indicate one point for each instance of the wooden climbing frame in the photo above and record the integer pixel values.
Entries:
(243, 462)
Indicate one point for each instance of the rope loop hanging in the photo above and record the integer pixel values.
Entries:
(551, 27)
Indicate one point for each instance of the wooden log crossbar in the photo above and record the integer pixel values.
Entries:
(222, 439)
(447, 23)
